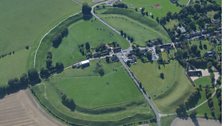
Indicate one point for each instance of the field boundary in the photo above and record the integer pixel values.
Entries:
(41, 40)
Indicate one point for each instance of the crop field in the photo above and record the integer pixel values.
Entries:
(140, 32)
(18, 110)
(158, 8)
(92, 92)
(9, 66)
(81, 32)
(169, 92)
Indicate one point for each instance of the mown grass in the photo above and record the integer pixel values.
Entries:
(205, 108)
(81, 32)
(13, 65)
(158, 8)
(94, 92)
(169, 92)
(203, 81)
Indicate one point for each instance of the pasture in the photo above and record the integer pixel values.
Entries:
(158, 8)
(140, 32)
(81, 32)
(13, 65)
(94, 93)
(169, 92)
(23, 25)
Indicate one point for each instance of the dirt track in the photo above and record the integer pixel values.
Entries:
(20, 109)
(199, 122)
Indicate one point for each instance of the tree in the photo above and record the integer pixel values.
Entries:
(108, 59)
(59, 67)
(149, 56)
(162, 75)
(56, 41)
(86, 11)
(87, 45)
(33, 76)
(44, 73)
(99, 69)
(49, 63)
(24, 80)
(182, 112)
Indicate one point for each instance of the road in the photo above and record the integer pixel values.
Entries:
(137, 83)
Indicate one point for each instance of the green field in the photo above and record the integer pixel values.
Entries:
(171, 24)
(23, 25)
(13, 65)
(205, 108)
(183, 2)
(169, 92)
(81, 32)
(140, 32)
(158, 8)
(93, 93)
(203, 81)
(208, 44)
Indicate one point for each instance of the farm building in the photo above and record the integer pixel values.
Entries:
(194, 73)
(84, 63)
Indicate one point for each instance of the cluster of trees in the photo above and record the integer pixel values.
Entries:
(50, 69)
(123, 34)
(219, 97)
(86, 11)
(182, 112)
(57, 39)
(30, 78)
(193, 99)
(85, 49)
(190, 17)
(68, 102)
(99, 69)
(120, 5)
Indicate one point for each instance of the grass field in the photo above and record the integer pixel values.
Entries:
(23, 25)
(183, 2)
(203, 81)
(13, 65)
(93, 92)
(158, 8)
(140, 32)
(81, 32)
(205, 109)
(169, 92)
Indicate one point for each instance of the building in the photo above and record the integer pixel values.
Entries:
(84, 63)
(194, 73)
